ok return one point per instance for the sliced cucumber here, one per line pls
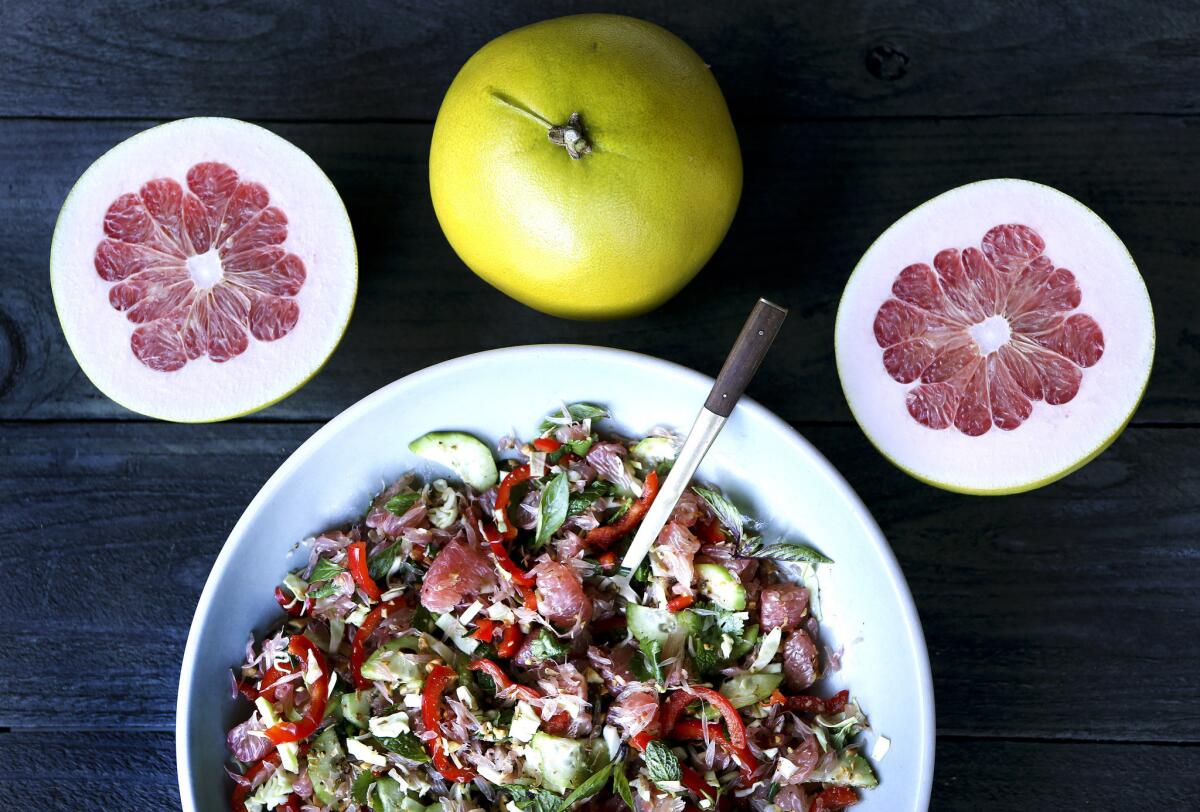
(654, 450)
(648, 624)
(743, 644)
(850, 770)
(356, 707)
(465, 455)
(324, 769)
(722, 586)
(561, 764)
(746, 689)
(392, 663)
(289, 752)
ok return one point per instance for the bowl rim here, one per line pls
(205, 604)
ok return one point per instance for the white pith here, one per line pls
(1055, 439)
(319, 233)
(990, 334)
(205, 269)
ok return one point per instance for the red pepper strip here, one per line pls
(833, 798)
(510, 641)
(272, 676)
(608, 560)
(520, 577)
(815, 704)
(294, 607)
(679, 700)
(710, 532)
(558, 723)
(642, 740)
(285, 732)
(358, 649)
(547, 444)
(431, 705)
(486, 630)
(696, 729)
(504, 496)
(695, 783)
(604, 536)
(241, 791)
(680, 603)
(356, 557)
(531, 601)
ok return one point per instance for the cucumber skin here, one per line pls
(462, 453)
(722, 586)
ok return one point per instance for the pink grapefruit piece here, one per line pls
(203, 269)
(995, 338)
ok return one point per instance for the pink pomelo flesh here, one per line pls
(985, 332)
(201, 270)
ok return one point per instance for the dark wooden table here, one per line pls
(1062, 624)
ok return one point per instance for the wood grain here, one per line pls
(816, 195)
(394, 60)
(103, 771)
(1054, 614)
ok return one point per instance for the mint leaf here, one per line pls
(548, 647)
(588, 788)
(406, 745)
(586, 498)
(326, 570)
(552, 508)
(661, 763)
(621, 785)
(401, 503)
(361, 786)
(532, 800)
(726, 511)
(754, 547)
(578, 411)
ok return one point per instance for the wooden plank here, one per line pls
(152, 58)
(98, 771)
(816, 196)
(1053, 614)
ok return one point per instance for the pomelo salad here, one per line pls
(464, 646)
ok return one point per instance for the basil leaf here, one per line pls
(580, 448)
(547, 647)
(588, 788)
(755, 547)
(326, 570)
(401, 503)
(380, 564)
(532, 800)
(423, 620)
(578, 411)
(621, 785)
(552, 508)
(661, 763)
(726, 511)
(361, 786)
(322, 591)
(406, 745)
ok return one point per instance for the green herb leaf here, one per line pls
(729, 622)
(726, 511)
(578, 411)
(588, 788)
(772, 791)
(406, 745)
(552, 508)
(754, 547)
(580, 448)
(401, 503)
(532, 800)
(380, 564)
(661, 763)
(586, 498)
(361, 786)
(621, 786)
(652, 652)
(326, 570)
(548, 647)
(423, 620)
(322, 591)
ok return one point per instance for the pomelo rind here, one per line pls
(1024, 487)
(337, 331)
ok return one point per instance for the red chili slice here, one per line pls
(603, 537)
(804, 703)
(680, 602)
(356, 557)
(697, 729)
(510, 641)
(547, 444)
(294, 606)
(520, 577)
(504, 496)
(695, 783)
(358, 649)
(486, 630)
(318, 689)
(431, 706)
(558, 723)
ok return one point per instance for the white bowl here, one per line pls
(768, 468)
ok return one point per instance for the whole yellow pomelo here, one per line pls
(586, 165)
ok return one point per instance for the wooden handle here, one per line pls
(747, 354)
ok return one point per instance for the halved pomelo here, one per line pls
(203, 269)
(995, 338)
